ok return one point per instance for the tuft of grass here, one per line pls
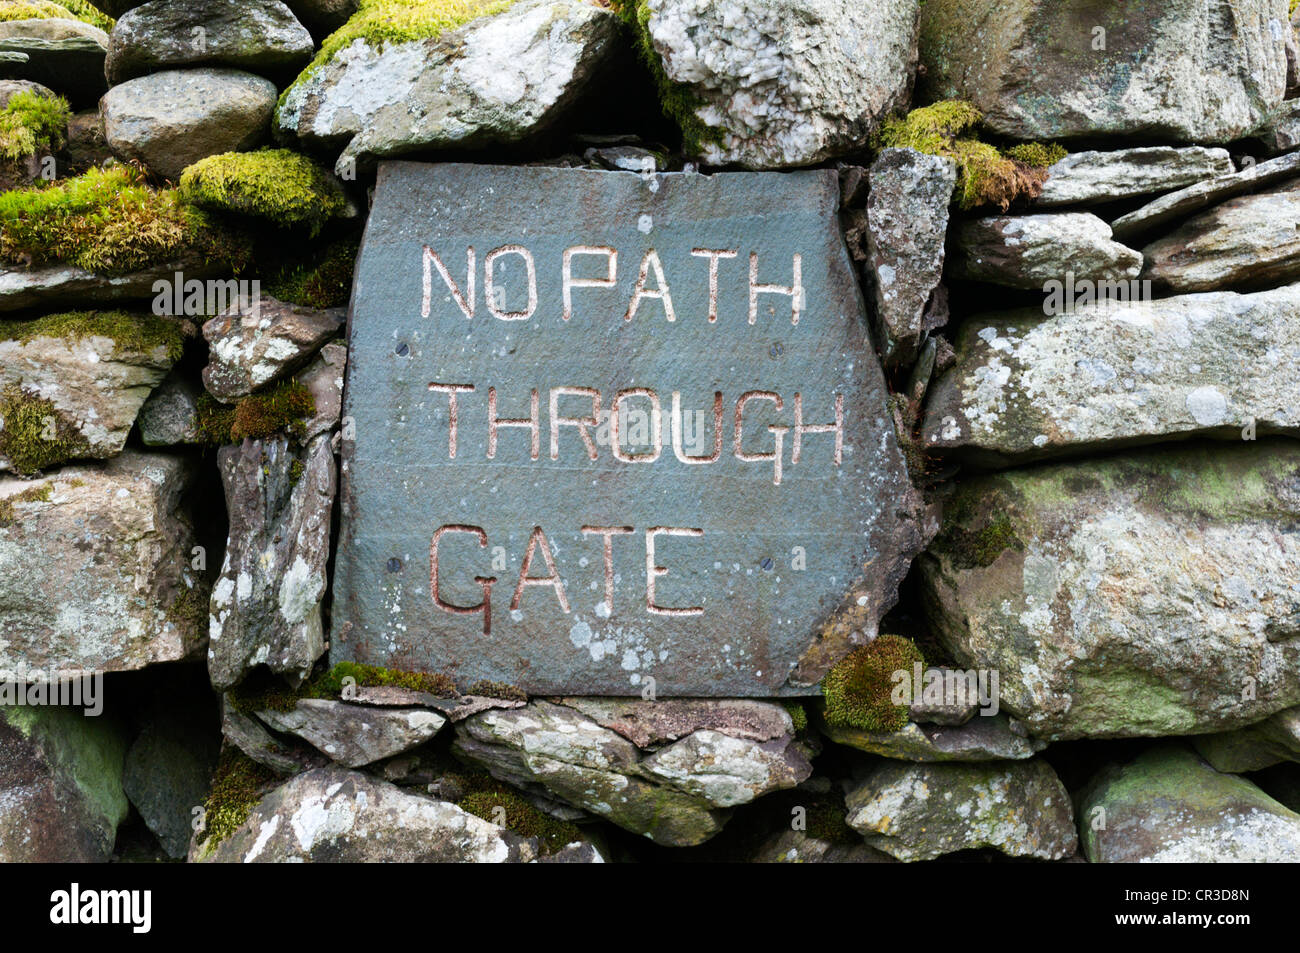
(277, 185)
(137, 333)
(284, 407)
(30, 123)
(63, 10)
(237, 785)
(324, 283)
(858, 689)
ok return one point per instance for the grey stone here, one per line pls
(948, 697)
(323, 378)
(322, 17)
(9, 88)
(170, 415)
(1181, 71)
(626, 159)
(254, 346)
(1167, 806)
(800, 847)
(1027, 251)
(168, 772)
(172, 119)
(923, 811)
(907, 221)
(727, 771)
(1094, 178)
(857, 519)
(46, 286)
(266, 605)
(1131, 595)
(1282, 133)
(772, 91)
(1110, 375)
(65, 55)
(114, 542)
(1272, 741)
(984, 738)
(648, 724)
(261, 36)
(355, 735)
(284, 756)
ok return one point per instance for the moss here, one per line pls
(797, 715)
(63, 10)
(859, 687)
(985, 175)
(826, 821)
(138, 333)
(678, 102)
(325, 282)
(978, 528)
(379, 22)
(189, 610)
(278, 185)
(490, 689)
(237, 785)
(31, 123)
(35, 494)
(282, 408)
(296, 470)
(262, 693)
(487, 798)
(35, 435)
(111, 222)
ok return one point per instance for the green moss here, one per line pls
(797, 715)
(36, 494)
(1037, 154)
(131, 333)
(488, 798)
(858, 688)
(826, 821)
(279, 185)
(296, 470)
(189, 610)
(111, 222)
(63, 10)
(325, 282)
(678, 102)
(30, 123)
(237, 786)
(978, 526)
(282, 408)
(490, 689)
(35, 435)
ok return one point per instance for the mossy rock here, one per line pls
(282, 408)
(859, 690)
(32, 123)
(277, 185)
(323, 280)
(63, 10)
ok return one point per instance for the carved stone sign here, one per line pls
(603, 428)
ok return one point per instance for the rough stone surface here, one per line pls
(1183, 70)
(923, 811)
(727, 771)
(65, 55)
(266, 605)
(285, 756)
(800, 847)
(983, 738)
(261, 36)
(1274, 740)
(252, 347)
(1168, 806)
(1093, 178)
(322, 17)
(1134, 595)
(773, 92)
(1027, 251)
(355, 735)
(170, 415)
(1203, 364)
(168, 772)
(171, 120)
(648, 724)
(323, 378)
(907, 221)
(49, 286)
(113, 540)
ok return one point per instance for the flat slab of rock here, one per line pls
(1274, 740)
(1027, 251)
(1204, 364)
(980, 739)
(65, 55)
(46, 286)
(800, 847)
(1168, 806)
(172, 119)
(285, 756)
(1130, 595)
(355, 735)
(923, 811)
(1094, 178)
(251, 347)
(648, 724)
(323, 378)
(113, 540)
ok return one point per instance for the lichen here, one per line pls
(278, 185)
(282, 408)
(491, 799)
(501, 690)
(35, 494)
(34, 434)
(130, 333)
(237, 785)
(325, 282)
(31, 123)
(63, 10)
(858, 689)
(111, 222)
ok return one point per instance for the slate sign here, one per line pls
(607, 427)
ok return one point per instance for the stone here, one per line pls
(626, 159)
(760, 86)
(923, 811)
(51, 286)
(1114, 374)
(1168, 806)
(702, 620)
(1129, 595)
(335, 816)
(800, 847)
(1272, 741)
(648, 724)
(256, 344)
(958, 698)
(285, 756)
(322, 17)
(65, 55)
(323, 378)
(1174, 206)
(1247, 242)
(87, 386)
(985, 738)
(61, 797)
(1282, 133)
(266, 604)
(1095, 178)
(172, 119)
(907, 222)
(355, 735)
(1180, 71)
(170, 415)
(114, 541)
(261, 36)
(1027, 251)
(168, 772)
(9, 88)
(727, 771)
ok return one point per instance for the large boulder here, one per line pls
(65, 55)
(114, 542)
(1182, 70)
(1146, 594)
(778, 83)
(171, 120)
